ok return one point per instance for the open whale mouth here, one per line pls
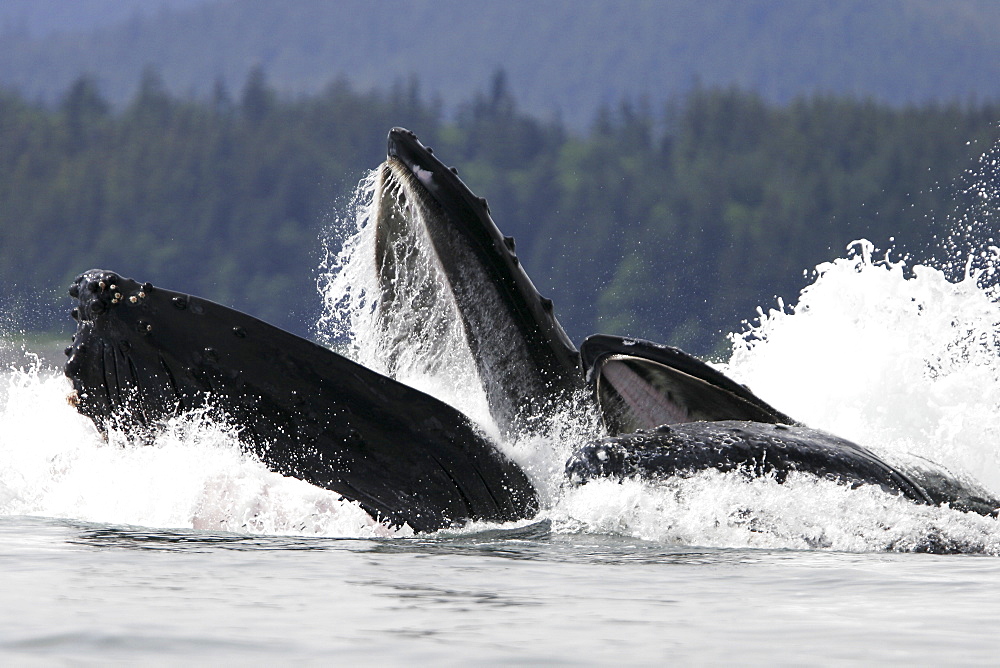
(525, 361)
(642, 385)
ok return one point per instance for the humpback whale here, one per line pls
(143, 354)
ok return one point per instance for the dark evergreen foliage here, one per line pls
(672, 226)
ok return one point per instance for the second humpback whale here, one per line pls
(142, 354)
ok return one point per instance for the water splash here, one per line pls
(903, 364)
(971, 248)
(416, 339)
(414, 333)
(54, 463)
(712, 509)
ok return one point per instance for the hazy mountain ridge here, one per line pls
(565, 57)
(34, 19)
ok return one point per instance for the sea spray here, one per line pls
(896, 358)
(899, 356)
(419, 340)
(195, 474)
(713, 509)
(970, 248)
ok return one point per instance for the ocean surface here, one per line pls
(83, 593)
(190, 551)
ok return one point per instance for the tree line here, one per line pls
(673, 224)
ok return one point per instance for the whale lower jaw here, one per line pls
(755, 448)
(526, 363)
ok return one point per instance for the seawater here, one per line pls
(189, 550)
(82, 593)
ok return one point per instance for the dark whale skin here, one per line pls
(142, 355)
(754, 448)
(527, 363)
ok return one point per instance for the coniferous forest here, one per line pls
(671, 223)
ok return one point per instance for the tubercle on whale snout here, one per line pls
(405, 146)
(98, 291)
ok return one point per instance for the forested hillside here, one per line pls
(672, 225)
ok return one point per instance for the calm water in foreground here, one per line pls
(95, 594)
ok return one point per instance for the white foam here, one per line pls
(902, 364)
(54, 463)
(727, 510)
